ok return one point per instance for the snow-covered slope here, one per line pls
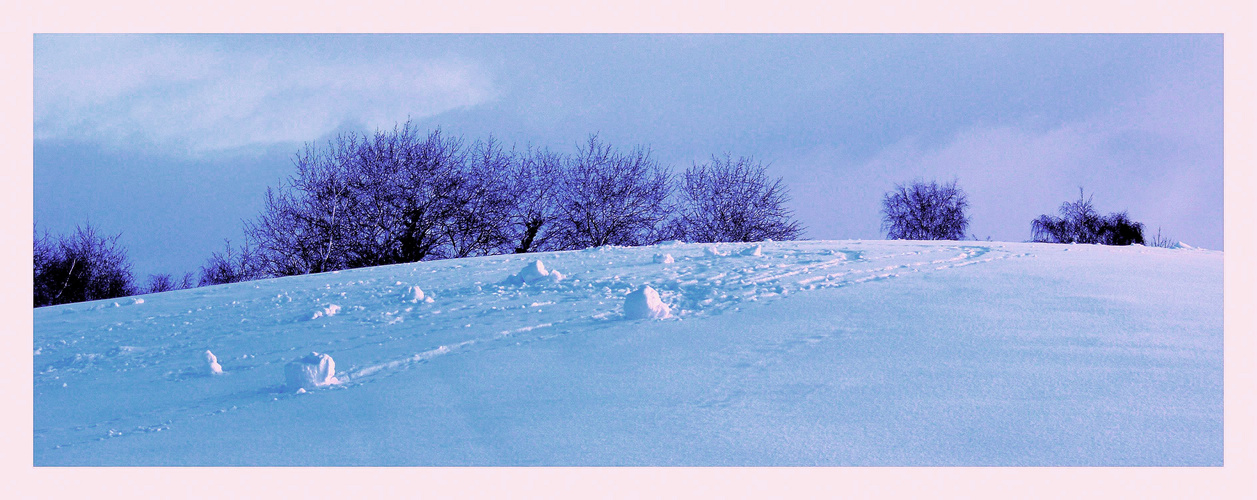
(785, 353)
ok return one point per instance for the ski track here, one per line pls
(461, 320)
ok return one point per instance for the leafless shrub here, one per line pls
(925, 211)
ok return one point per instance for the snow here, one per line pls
(872, 353)
(414, 294)
(310, 371)
(330, 310)
(212, 362)
(535, 272)
(644, 303)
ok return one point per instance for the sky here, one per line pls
(171, 140)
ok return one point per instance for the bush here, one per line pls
(79, 267)
(612, 198)
(728, 200)
(925, 211)
(1081, 223)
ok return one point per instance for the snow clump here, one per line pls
(413, 294)
(535, 273)
(212, 361)
(645, 304)
(330, 310)
(664, 259)
(309, 372)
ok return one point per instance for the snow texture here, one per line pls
(644, 303)
(815, 353)
(311, 371)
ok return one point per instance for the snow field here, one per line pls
(779, 353)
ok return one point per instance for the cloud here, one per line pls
(199, 94)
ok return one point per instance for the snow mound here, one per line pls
(645, 304)
(664, 259)
(534, 273)
(309, 372)
(755, 251)
(330, 310)
(413, 294)
(212, 361)
(1183, 246)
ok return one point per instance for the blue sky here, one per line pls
(172, 140)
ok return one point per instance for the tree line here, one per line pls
(931, 211)
(399, 196)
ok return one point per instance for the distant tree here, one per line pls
(610, 197)
(533, 182)
(1081, 223)
(79, 267)
(232, 265)
(925, 211)
(165, 283)
(733, 200)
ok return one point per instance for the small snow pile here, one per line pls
(413, 294)
(664, 259)
(309, 372)
(212, 360)
(755, 251)
(645, 304)
(330, 310)
(1183, 246)
(535, 273)
(714, 252)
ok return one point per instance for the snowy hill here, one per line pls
(785, 353)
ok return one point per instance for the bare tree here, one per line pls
(480, 203)
(925, 211)
(232, 265)
(304, 226)
(533, 183)
(367, 201)
(612, 198)
(79, 267)
(733, 200)
(1081, 223)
